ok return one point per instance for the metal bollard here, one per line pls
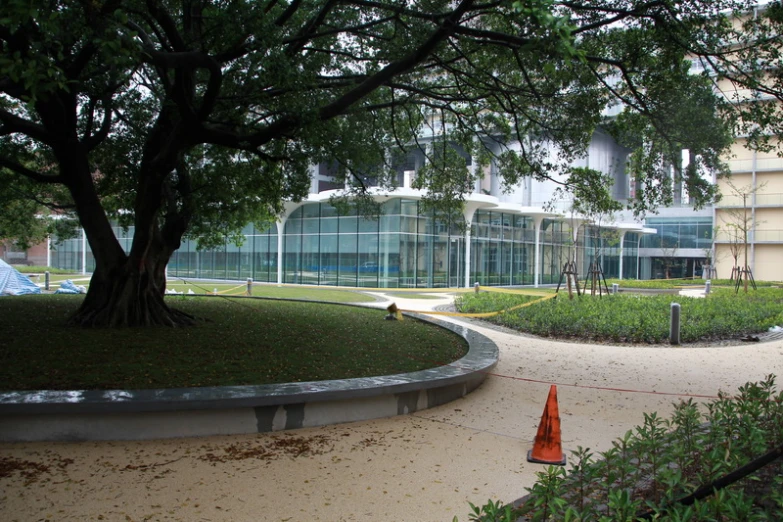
(615, 288)
(674, 324)
(46, 280)
(249, 286)
(707, 286)
(476, 287)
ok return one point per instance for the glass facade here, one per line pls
(673, 236)
(616, 251)
(70, 254)
(631, 255)
(680, 232)
(557, 247)
(255, 258)
(502, 249)
(67, 254)
(403, 247)
(603, 246)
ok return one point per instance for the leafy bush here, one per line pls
(650, 472)
(665, 284)
(41, 269)
(485, 302)
(635, 318)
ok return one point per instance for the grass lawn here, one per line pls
(30, 269)
(413, 295)
(241, 341)
(307, 293)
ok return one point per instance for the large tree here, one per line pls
(195, 115)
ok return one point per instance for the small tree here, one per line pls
(739, 225)
(736, 247)
(593, 199)
(668, 254)
(568, 259)
(710, 255)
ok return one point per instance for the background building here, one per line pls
(517, 237)
(752, 202)
(510, 239)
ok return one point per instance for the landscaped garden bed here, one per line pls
(632, 318)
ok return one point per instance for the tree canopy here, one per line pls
(199, 116)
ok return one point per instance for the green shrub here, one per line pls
(629, 318)
(485, 302)
(665, 284)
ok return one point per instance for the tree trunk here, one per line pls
(129, 296)
(127, 290)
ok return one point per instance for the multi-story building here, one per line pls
(510, 239)
(752, 206)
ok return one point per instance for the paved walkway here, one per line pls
(422, 467)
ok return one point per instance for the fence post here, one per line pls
(674, 324)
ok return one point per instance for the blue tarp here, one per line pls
(67, 287)
(14, 283)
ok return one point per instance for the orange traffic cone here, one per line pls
(547, 448)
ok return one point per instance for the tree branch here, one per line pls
(29, 173)
(93, 140)
(447, 28)
(13, 124)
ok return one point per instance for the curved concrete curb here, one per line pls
(192, 412)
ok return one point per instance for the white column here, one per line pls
(314, 178)
(408, 176)
(467, 257)
(280, 228)
(537, 262)
(84, 252)
(752, 234)
(477, 181)
(622, 239)
(468, 214)
(48, 251)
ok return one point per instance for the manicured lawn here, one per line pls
(57, 276)
(307, 293)
(241, 341)
(413, 295)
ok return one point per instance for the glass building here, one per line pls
(678, 249)
(403, 247)
(505, 236)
